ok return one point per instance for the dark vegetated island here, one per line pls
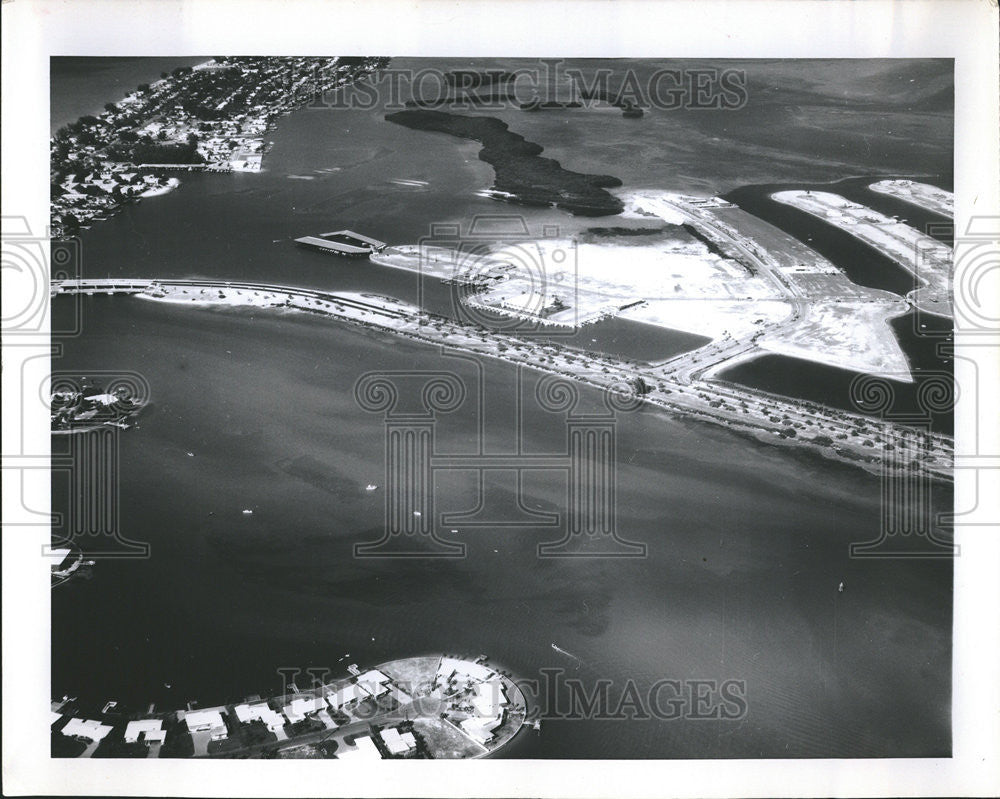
(520, 171)
(470, 83)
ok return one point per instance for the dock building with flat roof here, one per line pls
(342, 242)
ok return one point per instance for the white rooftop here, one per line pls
(303, 705)
(260, 711)
(203, 719)
(480, 729)
(86, 728)
(347, 693)
(365, 749)
(474, 671)
(397, 742)
(374, 676)
(149, 727)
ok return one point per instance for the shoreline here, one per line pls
(521, 173)
(925, 258)
(171, 184)
(222, 109)
(837, 435)
(432, 706)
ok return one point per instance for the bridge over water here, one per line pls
(687, 391)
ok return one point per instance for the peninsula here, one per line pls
(437, 707)
(928, 260)
(211, 117)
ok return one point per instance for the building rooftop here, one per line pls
(203, 719)
(374, 682)
(260, 711)
(151, 729)
(343, 241)
(398, 743)
(365, 749)
(86, 728)
(490, 697)
(346, 694)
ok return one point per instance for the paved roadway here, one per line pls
(683, 388)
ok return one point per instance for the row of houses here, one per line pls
(373, 684)
(148, 731)
(396, 743)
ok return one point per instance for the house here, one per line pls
(398, 743)
(365, 749)
(298, 709)
(374, 682)
(490, 698)
(207, 721)
(346, 695)
(151, 731)
(480, 729)
(454, 670)
(260, 711)
(92, 730)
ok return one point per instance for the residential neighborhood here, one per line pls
(210, 117)
(427, 707)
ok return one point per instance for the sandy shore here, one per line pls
(172, 184)
(845, 437)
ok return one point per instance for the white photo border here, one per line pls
(965, 30)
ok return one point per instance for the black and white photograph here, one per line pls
(568, 410)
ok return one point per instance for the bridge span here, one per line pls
(680, 387)
(102, 286)
(384, 306)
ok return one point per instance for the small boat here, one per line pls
(371, 487)
(840, 588)
(247, 512)
(564, 652)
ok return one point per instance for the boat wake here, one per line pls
(570, 655)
